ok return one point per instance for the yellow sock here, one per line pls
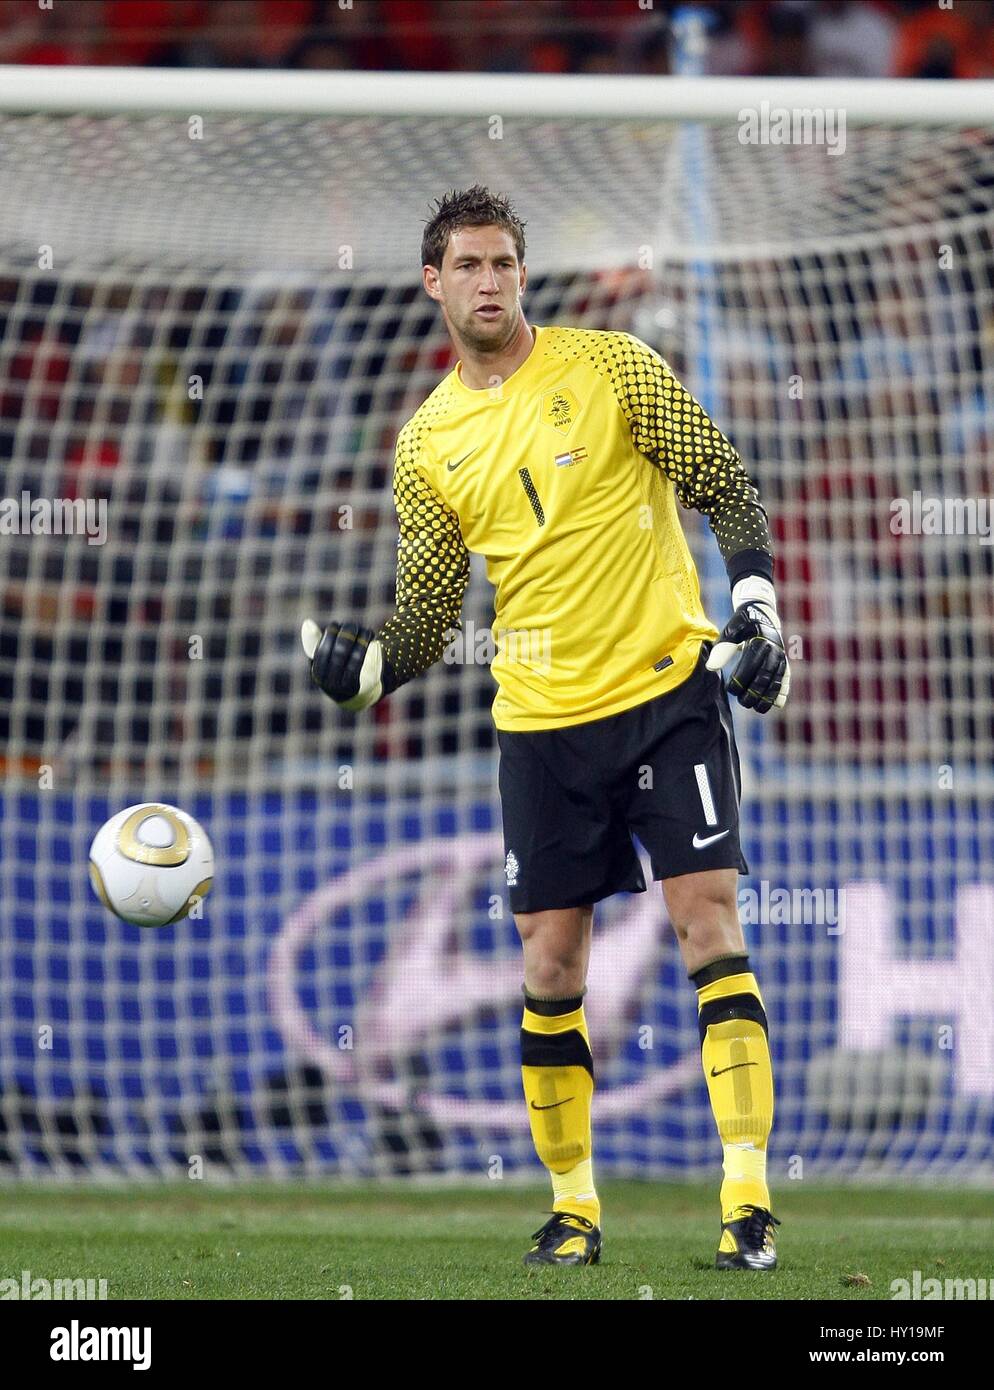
(735, 1053)
(744, 1166)
(574, 1191)
(557, 1073)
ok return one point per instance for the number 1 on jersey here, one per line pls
(532, 495)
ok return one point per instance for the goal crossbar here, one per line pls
(918, 102)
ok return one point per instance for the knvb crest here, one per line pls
(560, 409)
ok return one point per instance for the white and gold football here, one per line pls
(151, 864)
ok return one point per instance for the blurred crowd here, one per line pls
(226, 505)
(827, 38)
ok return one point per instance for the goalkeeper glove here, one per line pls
(346, 662)
(761, 678)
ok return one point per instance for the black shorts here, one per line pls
(666, 770)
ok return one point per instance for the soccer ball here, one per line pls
(150, 864)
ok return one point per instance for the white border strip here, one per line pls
(704, 788)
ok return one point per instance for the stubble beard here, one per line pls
(484, 345)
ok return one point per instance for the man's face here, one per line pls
(479, 287)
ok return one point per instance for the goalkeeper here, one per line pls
(559, 454)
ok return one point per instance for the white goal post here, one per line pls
(105, 90)
(213, 327)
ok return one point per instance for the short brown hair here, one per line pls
(476, 207)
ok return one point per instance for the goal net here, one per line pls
(213, 329)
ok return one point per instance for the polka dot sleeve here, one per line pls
(673, 430)
(432, 572)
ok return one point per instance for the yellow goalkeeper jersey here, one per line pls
(566, 478)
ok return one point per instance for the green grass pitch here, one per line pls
(207, 1241)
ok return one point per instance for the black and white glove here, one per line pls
(761, 679)
(346, 662)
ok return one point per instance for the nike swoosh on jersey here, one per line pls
(554, 1106)
(453, 466)
(703, 844)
